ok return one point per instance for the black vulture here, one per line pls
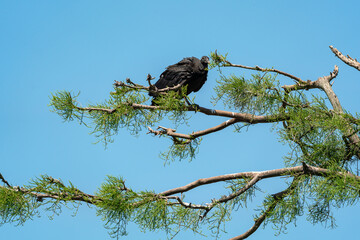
(190, 71)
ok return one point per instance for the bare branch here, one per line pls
(312, 84)
(152, 89)
(149, 78)
(261, 175)
(257, 68)
(348, 60)
(215, 128)
(184, 204)
(172, 133)
(241, 117)
(299, 86)
(324, 84)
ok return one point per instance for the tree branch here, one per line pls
(348, 60)
(251, 183)
(324, 84)
(254, 177)
(312, 84)
(4, 181)
(261, 175)
(79, 196)
(277, 198)
(151, 89)
(257, 68)
(241, 117)
(172, 133)
(184, 204)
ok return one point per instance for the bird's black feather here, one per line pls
(190, 72)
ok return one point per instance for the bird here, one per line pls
(191, 72)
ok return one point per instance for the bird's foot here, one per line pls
(192, 105)
(195, 107)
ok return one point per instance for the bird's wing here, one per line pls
(175, 74)
(187, 62)
(196, 85)
(172, 77)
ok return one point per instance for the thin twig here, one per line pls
(257, 68)
(4, 181)
(172, 133)
(151, 89)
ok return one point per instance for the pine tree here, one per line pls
(319, 171)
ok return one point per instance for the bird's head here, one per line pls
(205, 60)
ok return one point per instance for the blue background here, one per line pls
(46, 46)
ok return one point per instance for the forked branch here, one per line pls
(303, 169)
(319, 83)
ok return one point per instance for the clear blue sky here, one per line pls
(46, 46)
